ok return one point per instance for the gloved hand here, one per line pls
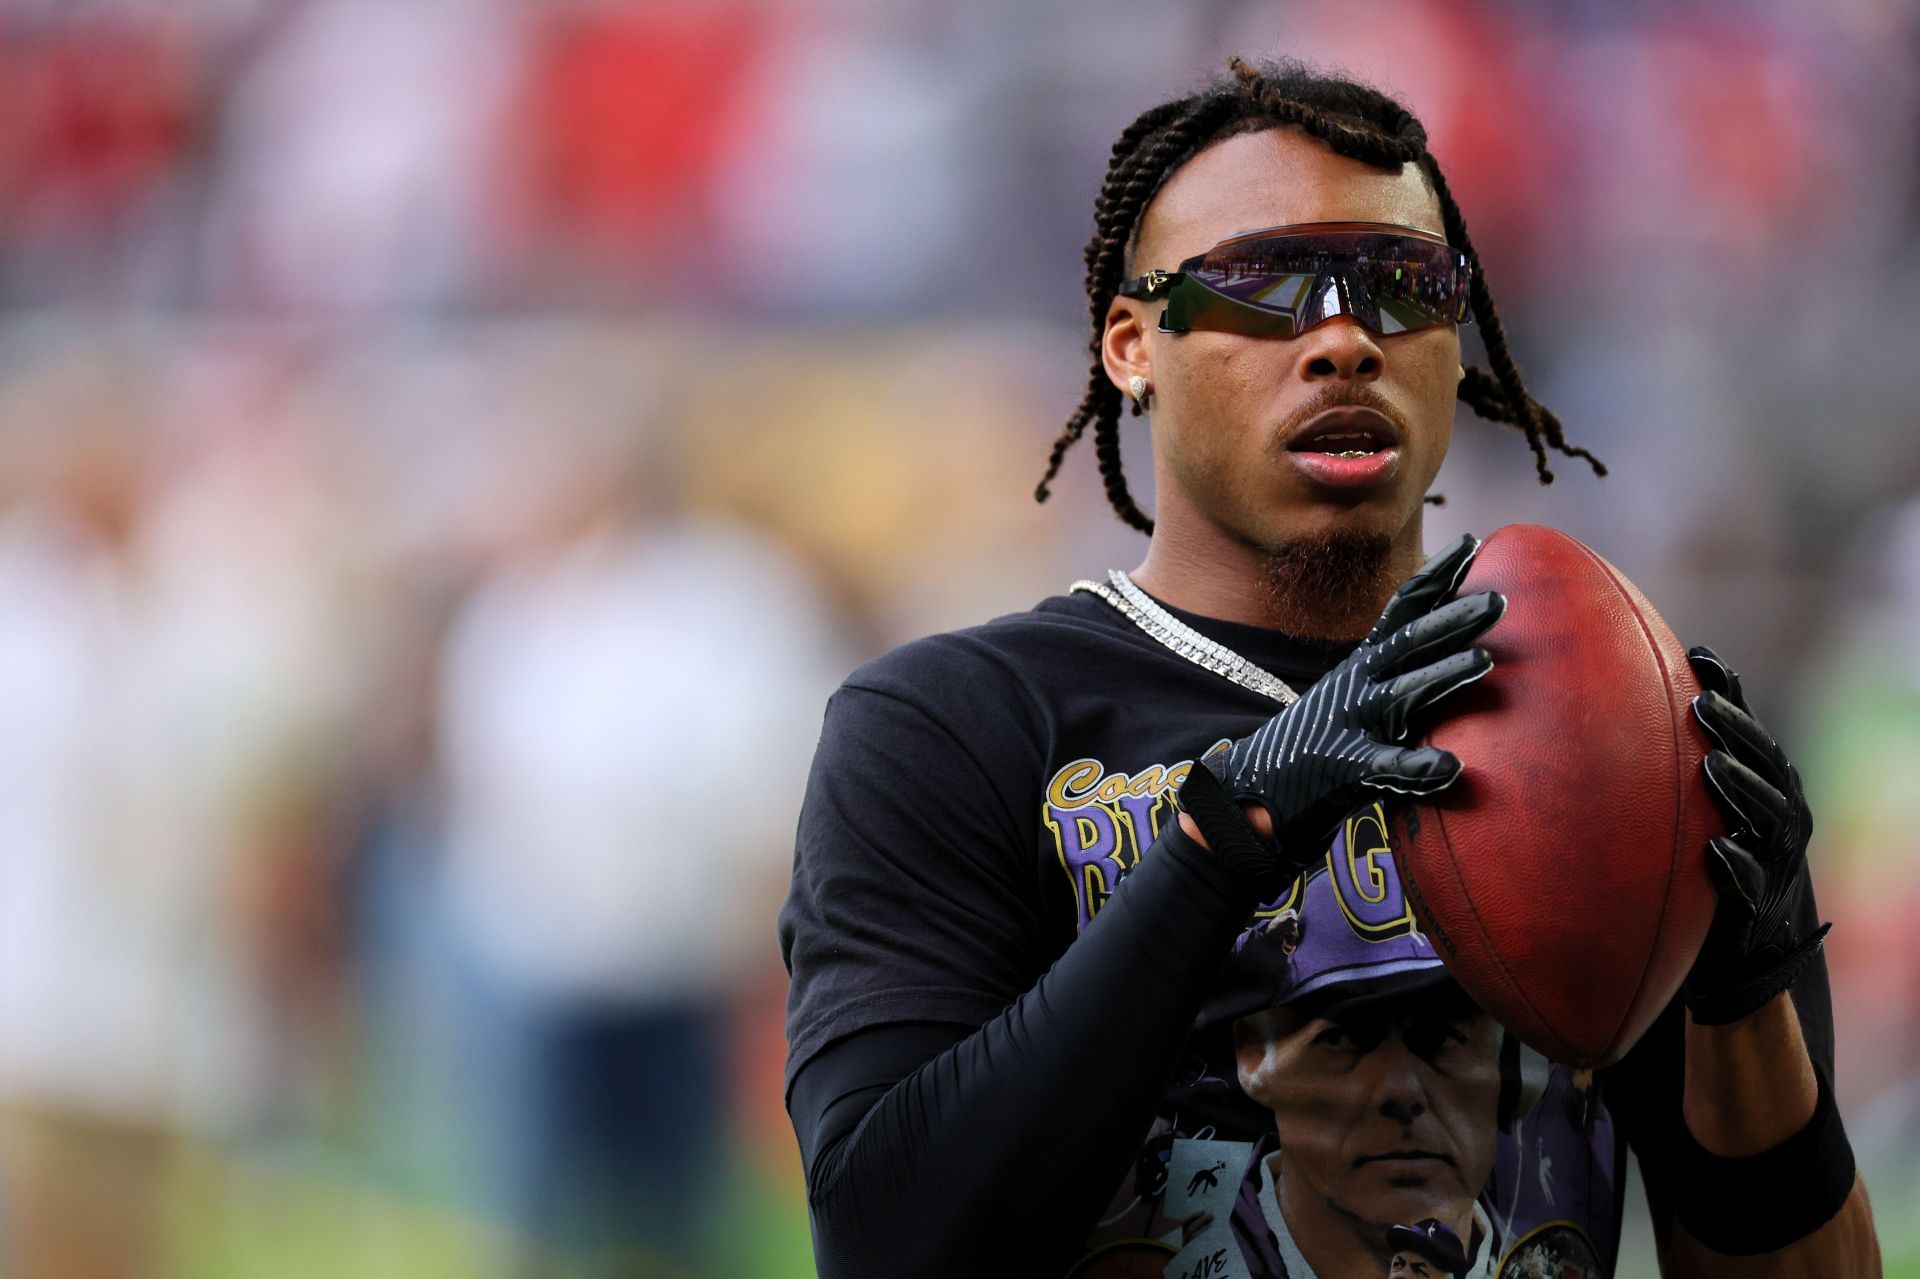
(1755, 948)
(1314, 762)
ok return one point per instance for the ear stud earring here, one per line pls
(1137, 388)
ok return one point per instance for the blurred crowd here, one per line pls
(449, 450)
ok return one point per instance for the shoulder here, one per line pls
(979, 709)
(1014, 665)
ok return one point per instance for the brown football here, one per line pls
(1563, 878)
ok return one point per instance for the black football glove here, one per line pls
(1755, 948)
(1314, 762)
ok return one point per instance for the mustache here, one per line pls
(1342, 395)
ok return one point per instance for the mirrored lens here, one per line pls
(1281, 285)
(1194, 306)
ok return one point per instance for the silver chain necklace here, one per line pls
(1169, 631)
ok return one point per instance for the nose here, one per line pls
(1396, 1081)
(1401, 1111)
(1339, 349)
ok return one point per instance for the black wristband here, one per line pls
(1744, 1207)
(1230, 836)
(1718, 1008)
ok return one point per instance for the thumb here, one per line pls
(1712, 671)
(1410, 770)
(1432, 585)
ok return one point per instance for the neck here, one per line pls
(1220, 576)
(1338, 1243)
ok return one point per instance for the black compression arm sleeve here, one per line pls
(1645, 1091)
(998, 1154)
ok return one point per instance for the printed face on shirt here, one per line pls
(1408, 1265)
(1385, 1114)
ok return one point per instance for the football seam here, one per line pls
(1480, 927)
(1485, 936)
(1673, 755)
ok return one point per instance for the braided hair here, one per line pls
(1353, 120)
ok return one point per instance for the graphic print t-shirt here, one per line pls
(978, 796)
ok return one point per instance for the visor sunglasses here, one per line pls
(1281, 281)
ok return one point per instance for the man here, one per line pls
(1382, 1114)
(1388, 1090)
(1386, 1083)
(1029, 849)
(592, 963)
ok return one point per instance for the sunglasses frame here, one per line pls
(1255, 320)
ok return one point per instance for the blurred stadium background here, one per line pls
(450, 448)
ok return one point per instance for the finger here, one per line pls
(1418, 770)
(1736, 874)
(1431, 585)
(1441, 633)
(1746, 801)
(1208, 795)
(1712, 671)
(1737, 732)
(1413, 692)
(1806, 814)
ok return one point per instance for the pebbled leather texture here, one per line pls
(1564, 877)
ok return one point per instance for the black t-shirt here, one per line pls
(977, 796)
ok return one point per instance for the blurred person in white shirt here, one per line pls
(628, 704)
(169, 662)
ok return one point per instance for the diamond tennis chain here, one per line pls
(1169, 631)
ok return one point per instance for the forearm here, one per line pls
(1750, 1086)
(1024, 1129)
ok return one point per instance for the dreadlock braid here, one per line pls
(1516, 406)
(1106, 451)
(1382, 148)
(1353, 120)
(1134, 176)
(1097, 386)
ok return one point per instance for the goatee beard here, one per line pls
(1329, 587)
